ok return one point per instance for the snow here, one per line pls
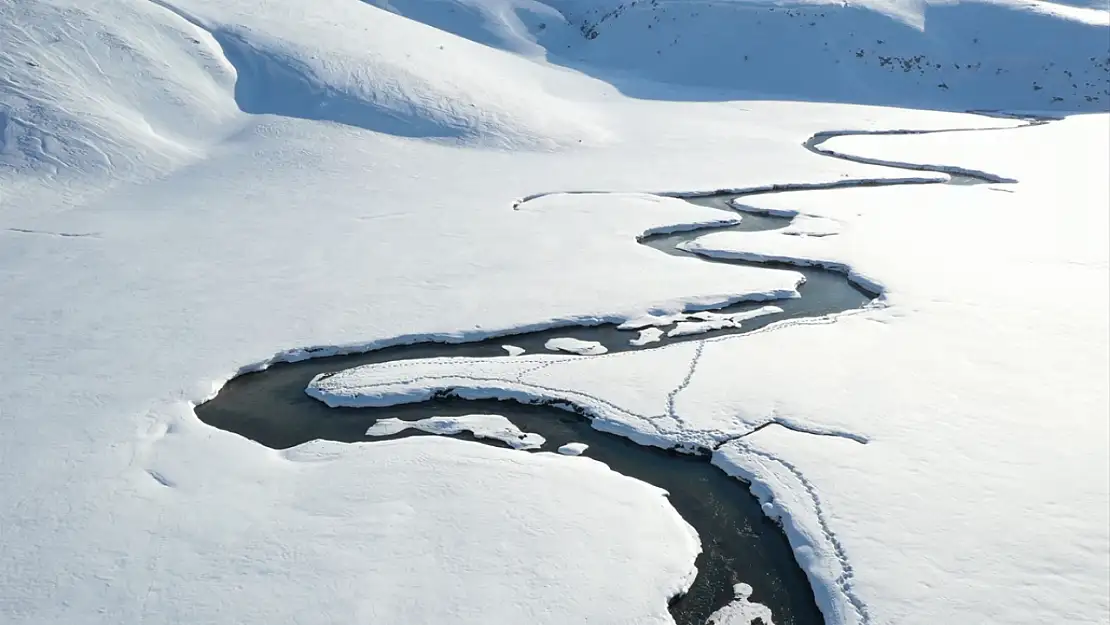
(573, 449)
(646, 337)
(652, 320)
(451, 511)
(513, 350)
(741, 611)
(496, 427)
(190, 189)
(575, 346)
(810, 226)
(698, 322)
(745, 246)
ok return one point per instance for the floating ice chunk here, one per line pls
(513, 350)
(688, 328)
(709, 321)
(741, 611)
(651, 321)
(573, 449)
(647, 335)
(480, 425)
(752, 314)
(575, 346)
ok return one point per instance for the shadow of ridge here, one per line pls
(970, 56)
(268, 84)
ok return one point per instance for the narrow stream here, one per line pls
(740, 544)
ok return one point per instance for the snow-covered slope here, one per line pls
(921, 54)
(313, 61)
(111, 89)
(188, 187)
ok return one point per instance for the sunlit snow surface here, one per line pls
(189, 187)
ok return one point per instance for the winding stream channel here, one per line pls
(739, 543)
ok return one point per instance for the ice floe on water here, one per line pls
(688, 323)
(573, 449)
(575, 346)
(652, 320)
(513, 350)
(647, 336)
(702, 322)
(742, 611)
(480, 425)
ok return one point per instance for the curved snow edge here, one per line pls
(692, 226)
(603, 415)
(777, 187)
(782, 494)
(865, 283)
(785, 494)
(691, 304)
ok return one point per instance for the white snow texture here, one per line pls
(191, 190)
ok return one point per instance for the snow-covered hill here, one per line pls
(188, 187)
(91, 86)
(919, 54)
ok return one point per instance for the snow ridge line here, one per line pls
(194, 21)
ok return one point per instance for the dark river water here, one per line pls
(739, 543)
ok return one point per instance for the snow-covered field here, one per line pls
(189, 187)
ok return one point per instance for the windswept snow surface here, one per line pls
(480, 425)
(189, 187)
